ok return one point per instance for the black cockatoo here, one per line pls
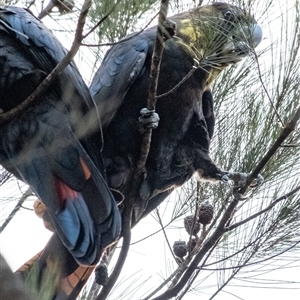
(207, 40)
(49, 144)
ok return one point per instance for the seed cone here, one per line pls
(206, 213)
(180, 248)
(191, 225)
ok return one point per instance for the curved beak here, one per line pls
(256, 35)
(247, 38)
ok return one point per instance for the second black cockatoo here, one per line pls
(49, 146)
(207, 40)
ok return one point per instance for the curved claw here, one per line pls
(257, 181)
(238, 196)
(148, 119)
(224, 178)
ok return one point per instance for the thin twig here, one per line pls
(265, 89)
(151, 234)
(225, 283)
(255, 262)
(160, 286)
(127, 216)
(193, 226)
(290, 127)
(182, 81)
(165, 234)
(233, 226)
(46, 11)
(153, 81)
(27, 193)
(4, 176)
(237, 252)
(189, 258)
(186, 262)
(290, 145)
(237, 269)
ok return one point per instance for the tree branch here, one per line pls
(126, 234)
(64, 7)
(47, 10)
(193, 277)
(45, 84)
(153, 82)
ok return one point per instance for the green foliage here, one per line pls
(123, 19)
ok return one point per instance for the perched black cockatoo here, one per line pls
(207, 40)
(49, 144)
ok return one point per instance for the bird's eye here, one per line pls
(228, 15)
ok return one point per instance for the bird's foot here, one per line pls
(240, 179)
(224, 177)
(169, 29)
(149, 119)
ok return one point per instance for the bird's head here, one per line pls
(219, 34)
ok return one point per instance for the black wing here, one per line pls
(44, 145)
(120, 67)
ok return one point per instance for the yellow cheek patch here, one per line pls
(189, 32)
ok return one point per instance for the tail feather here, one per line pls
(85, 220)
(71, 286)
(75, 227)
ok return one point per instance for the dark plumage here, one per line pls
(49, 144)
(207, 40)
